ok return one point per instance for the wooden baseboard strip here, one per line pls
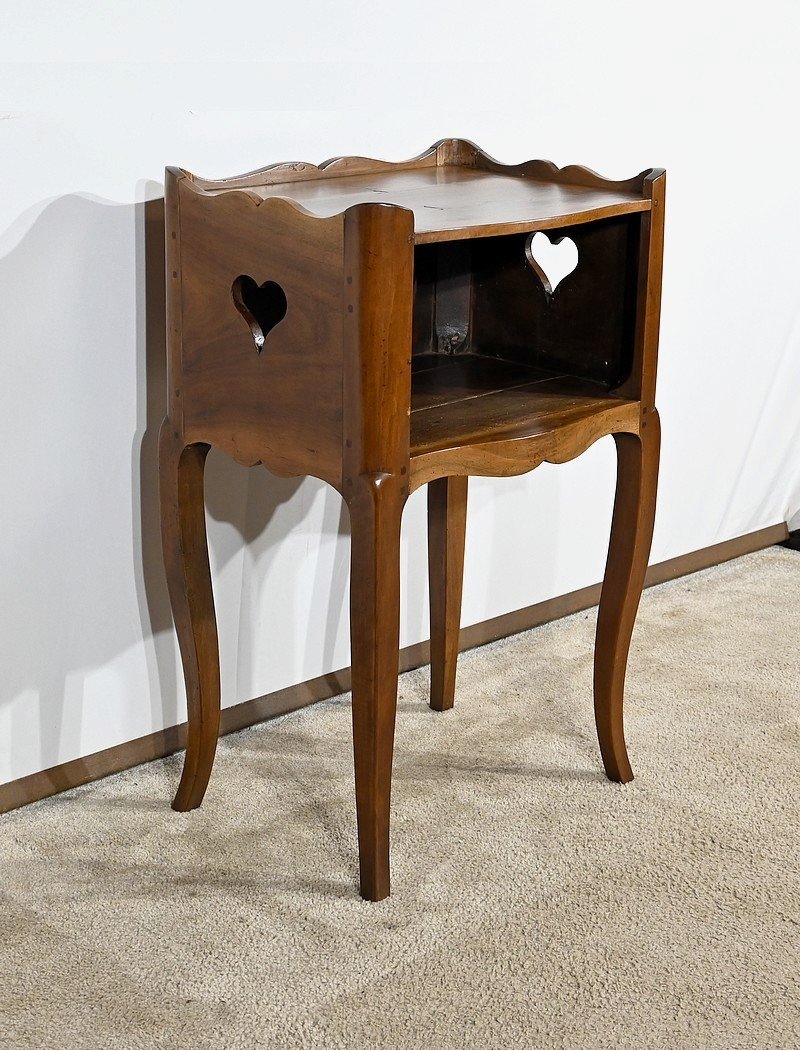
(166, 741)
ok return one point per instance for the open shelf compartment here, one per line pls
(498, 352)
(473, 399)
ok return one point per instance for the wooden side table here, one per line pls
(385, 326)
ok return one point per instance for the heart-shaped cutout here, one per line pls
(263, 306)
(552, 260)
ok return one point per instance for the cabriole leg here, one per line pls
(183, 526)
(629, 548)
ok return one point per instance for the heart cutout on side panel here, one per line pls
(552, 260)
(263, 306)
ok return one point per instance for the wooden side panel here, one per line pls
(442, 297)
(586, 327)
(279, 403)
(173, 177)
(641, 383)
(424, 298)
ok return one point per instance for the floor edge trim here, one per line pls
(67, 775)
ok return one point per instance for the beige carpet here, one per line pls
(535, 904)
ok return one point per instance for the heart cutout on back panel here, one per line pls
(262, 306)
(552, 260)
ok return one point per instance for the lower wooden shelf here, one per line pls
(475, 399)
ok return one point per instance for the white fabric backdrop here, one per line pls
(96, 99)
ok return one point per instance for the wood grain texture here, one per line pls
(454, 189)
(510, 431)
(447, 526)
(378, 294)
(460, 204)
(629, 547)
(460, 153)
(641, 381)
(378, 291)
(253, 403)
(183, 525)
(587, 327)
(376, 507)
(380, 326)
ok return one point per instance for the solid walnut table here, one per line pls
(385, 326)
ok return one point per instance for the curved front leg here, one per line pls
(376, 508)
(183, 527)
(629, 548)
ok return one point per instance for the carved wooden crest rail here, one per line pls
(383, 326)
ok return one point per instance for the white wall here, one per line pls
(96, 98)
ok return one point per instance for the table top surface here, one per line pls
(454, 203)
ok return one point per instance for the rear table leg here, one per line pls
(447, 524)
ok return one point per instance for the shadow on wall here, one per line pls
(83, 396)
